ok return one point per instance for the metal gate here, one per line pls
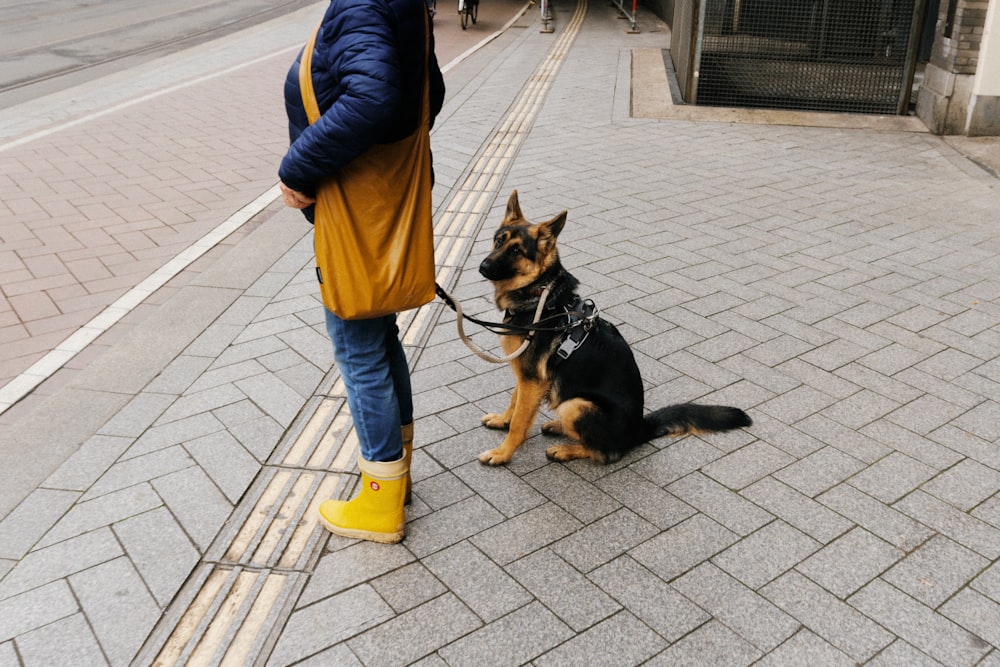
(819, 55)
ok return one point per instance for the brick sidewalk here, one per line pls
(840, 285)
(90, 211)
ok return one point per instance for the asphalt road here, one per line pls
(49, 46)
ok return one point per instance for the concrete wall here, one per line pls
(960, 93)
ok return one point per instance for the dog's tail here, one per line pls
(691, 419)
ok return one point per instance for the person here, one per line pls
(368, 70)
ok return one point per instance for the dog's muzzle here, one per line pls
(490, 270)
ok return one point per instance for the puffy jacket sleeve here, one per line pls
(356, 43)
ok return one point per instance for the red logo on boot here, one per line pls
(374, 486)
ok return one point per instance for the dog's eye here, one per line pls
(515, 250)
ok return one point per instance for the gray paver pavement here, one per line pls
(840, 284)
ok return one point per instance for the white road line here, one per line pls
(45, 367)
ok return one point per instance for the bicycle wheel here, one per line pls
(466, 13)
(475, 9)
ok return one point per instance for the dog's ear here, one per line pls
(554, 226)
(513, 208)
(548, 231)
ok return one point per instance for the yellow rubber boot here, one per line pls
(376, 513)
(408, 456)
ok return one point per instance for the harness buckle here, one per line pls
(567, 347)
(582, 315)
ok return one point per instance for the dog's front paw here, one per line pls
(495, 421)
(494, 457)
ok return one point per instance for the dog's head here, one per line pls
(522, 251)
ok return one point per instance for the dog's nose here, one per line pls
(484, 267)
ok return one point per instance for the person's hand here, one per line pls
(295, 199)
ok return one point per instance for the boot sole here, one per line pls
(372, 536)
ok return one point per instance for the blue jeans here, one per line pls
(372, 362)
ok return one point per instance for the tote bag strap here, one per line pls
(305, 78)
(309, 94)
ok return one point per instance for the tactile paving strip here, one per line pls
(240, 595)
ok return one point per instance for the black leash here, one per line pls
(504, 328)
(580, 318)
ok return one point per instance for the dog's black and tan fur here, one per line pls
(597, 392)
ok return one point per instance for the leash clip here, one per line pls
(589, 314)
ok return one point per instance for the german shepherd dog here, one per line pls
(596, 391)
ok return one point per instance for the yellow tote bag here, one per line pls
(373, 236)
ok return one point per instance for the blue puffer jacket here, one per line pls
(367, 71)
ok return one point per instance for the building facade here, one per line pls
(953, 44)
